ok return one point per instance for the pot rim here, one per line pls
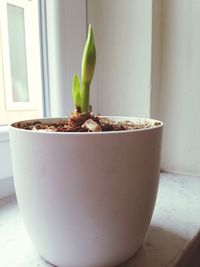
(116, 118)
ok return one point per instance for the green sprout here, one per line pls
(81, 91)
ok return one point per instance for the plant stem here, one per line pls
(85, 94)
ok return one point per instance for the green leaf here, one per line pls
(76, 88)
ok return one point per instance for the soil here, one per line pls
(84, 122)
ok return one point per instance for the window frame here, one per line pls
(10, 104)
(6, 176)
(50, 84)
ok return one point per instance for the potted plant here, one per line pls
(86, 185)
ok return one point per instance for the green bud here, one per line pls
(89, 58)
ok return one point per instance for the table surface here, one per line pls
(174, 226)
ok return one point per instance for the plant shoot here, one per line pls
(81, 90)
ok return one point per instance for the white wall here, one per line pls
(122, 31)
(148, 63)
(6, 181)
(156, 54)
(180, 86)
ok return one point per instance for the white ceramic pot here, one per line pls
(86, 198)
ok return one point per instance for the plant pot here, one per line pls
(86, 198)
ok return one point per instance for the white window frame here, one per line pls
(55, 88)
(26, 6)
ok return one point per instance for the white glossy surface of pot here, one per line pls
(86, 198)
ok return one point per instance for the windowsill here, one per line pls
(172, 239)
